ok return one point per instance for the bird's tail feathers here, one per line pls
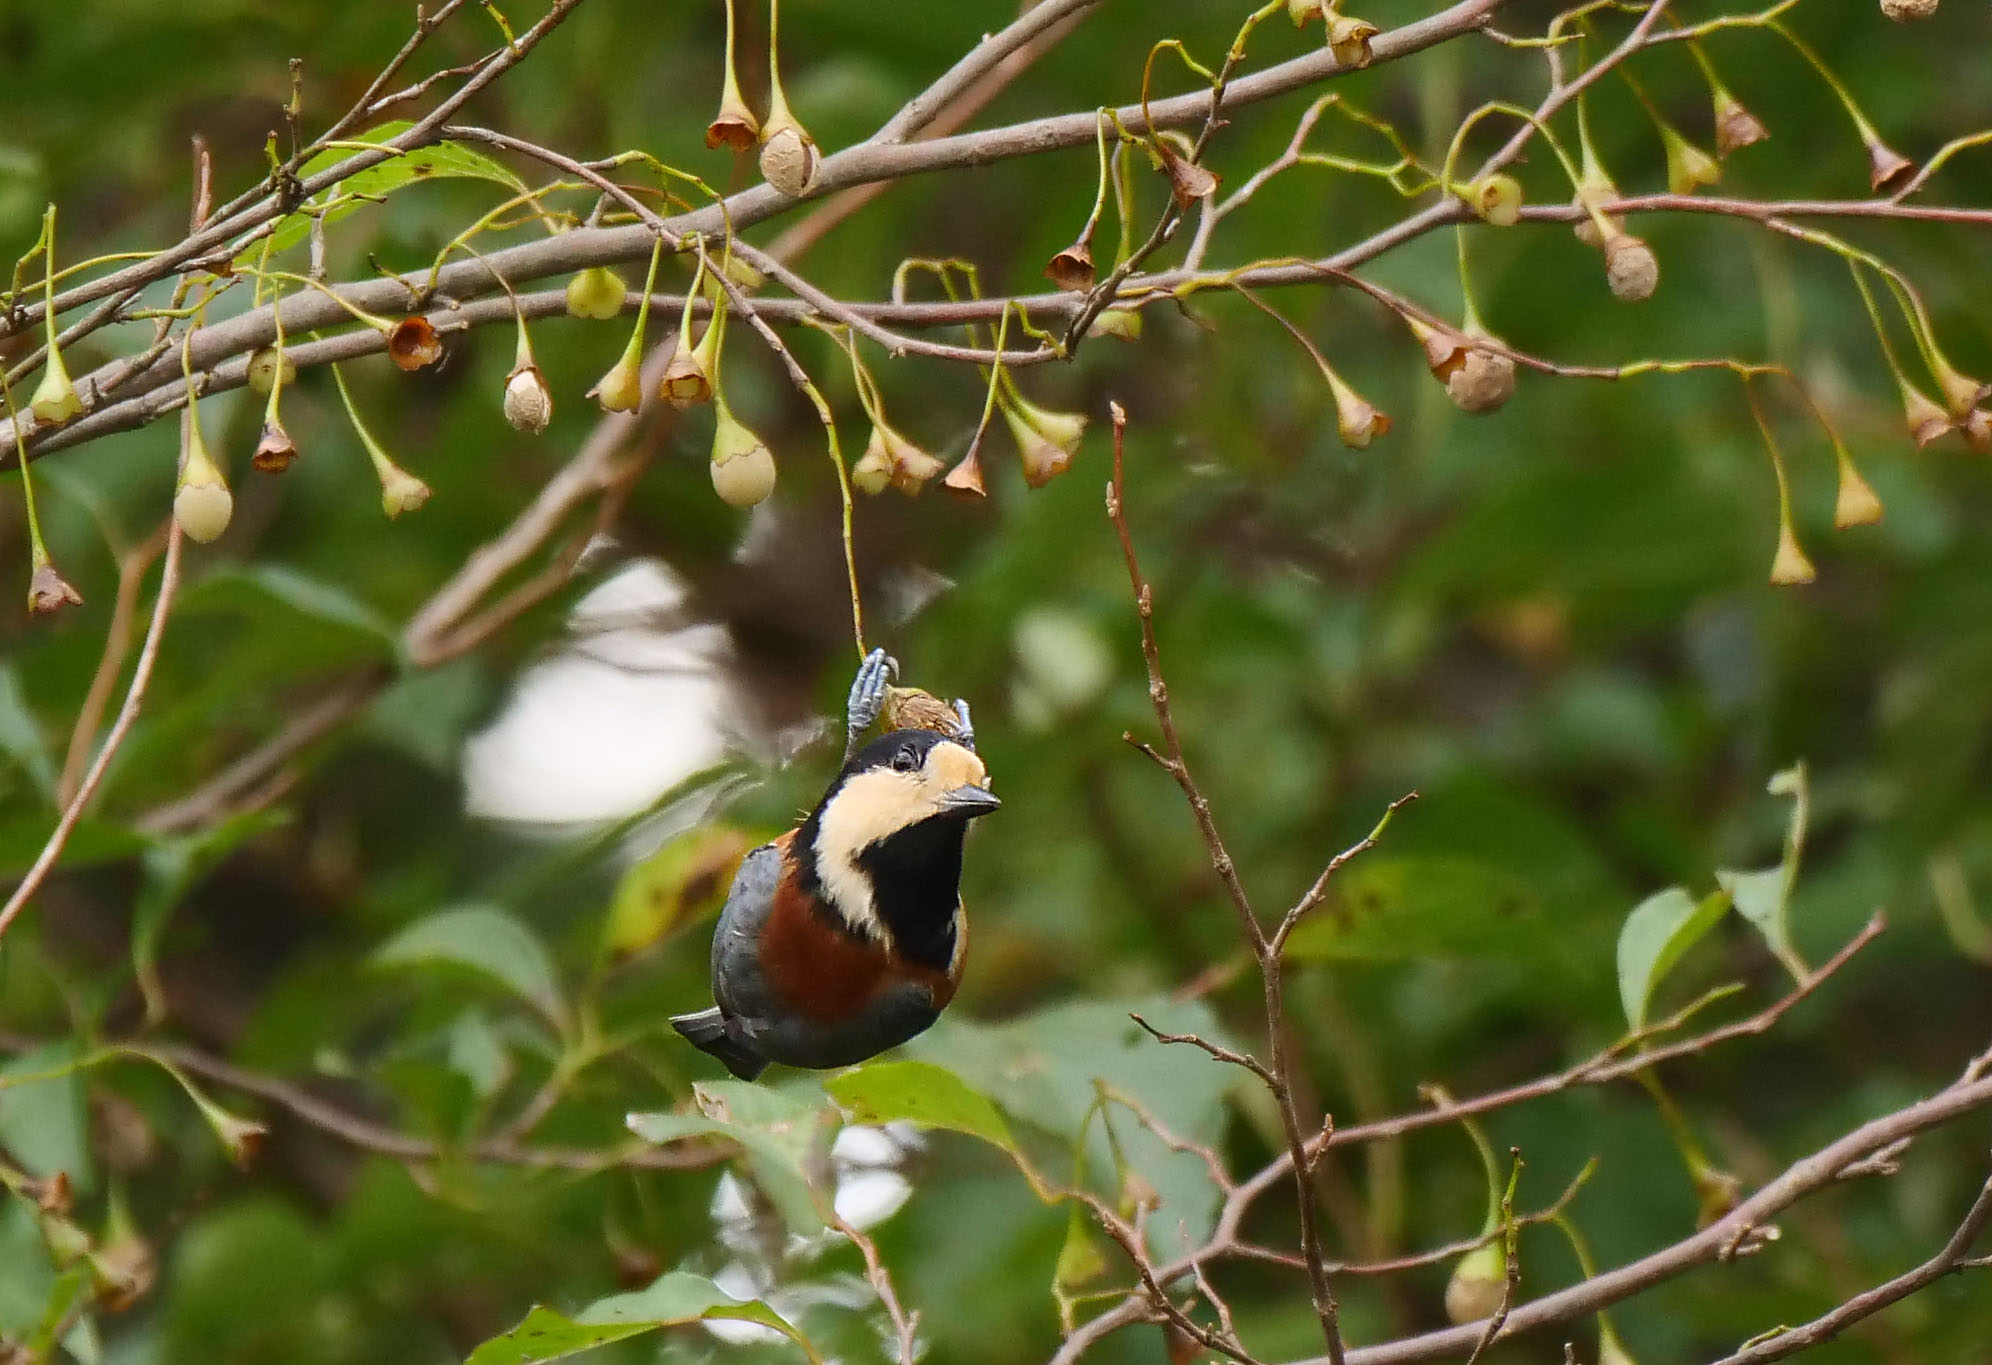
(707, 1031)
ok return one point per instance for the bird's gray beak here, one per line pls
(970, 801)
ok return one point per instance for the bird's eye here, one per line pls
(905, 761)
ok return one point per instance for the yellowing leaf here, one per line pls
(682, 883)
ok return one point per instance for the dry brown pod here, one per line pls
(910, 708)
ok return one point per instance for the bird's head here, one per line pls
(885, 842)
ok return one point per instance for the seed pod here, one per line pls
(528, 404)
(1888, 169)
(1925, 420)
(1961, 392)
(203, 506)
(1855, 503)
(1304, 11)
(1593, 192)
(270, 368)
(55, 399)
(621, 389)
(1735, 126)
(1497, 199)
(1349, 39)
(873, 472)
(1688, 166)
(965, 479)
(912, 468)
(1631, 268)
(1908, 11)
(1123, 324)
(596, 292)
(400, 491)
(743, 468)
(49, 591)
(1478, 1283)
(1978, 431)
(909, 708)
(735, 126)
(1188, 181)
(1790, 567)
(685, 382)
(1482, 382)
(1047, 440)
(274, 449)
(412, 343)
(1357, 420)
(201, 501)
(1072, 268)
(789, 159)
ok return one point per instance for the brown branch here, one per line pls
(1948, 1261)
(862, 164)
(1279, 1074)
(1801, 1178)
(366, 1135)
(905, 1325)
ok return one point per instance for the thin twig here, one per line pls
(148, 654)
(133, 564)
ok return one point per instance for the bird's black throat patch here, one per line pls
(916, 887)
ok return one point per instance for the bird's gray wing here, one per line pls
(737, 983)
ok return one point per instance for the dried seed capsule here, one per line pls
(1631, 268)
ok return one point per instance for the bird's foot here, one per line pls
(964, 727)
(867, 699)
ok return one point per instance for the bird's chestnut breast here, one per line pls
(826, 972)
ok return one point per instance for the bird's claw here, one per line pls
(867, 699)
(964, 728)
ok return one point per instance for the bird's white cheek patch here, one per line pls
(867, 809)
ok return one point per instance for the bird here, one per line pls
(846, 936)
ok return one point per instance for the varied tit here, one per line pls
(845, 936)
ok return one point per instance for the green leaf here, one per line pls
(41, 1114)
(1656, 933)
(1047, 1069)
(92, 841)
(1764, 897)
(441, 161)
(21, 737)
(330, 604)
(922, 1093)
(72, 1288)
(777, 1132)
(1081, 1259)
(1394, 909)
(488, 941)
(676, 1298)
(477, 1053)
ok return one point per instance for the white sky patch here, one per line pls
(616, 719)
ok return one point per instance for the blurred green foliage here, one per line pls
(1551, 622)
